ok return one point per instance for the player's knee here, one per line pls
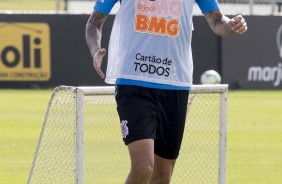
(142, 169)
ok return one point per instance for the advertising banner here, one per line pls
(47, 50)
(24, 51)
(254, 60)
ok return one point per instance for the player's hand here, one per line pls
(238, 24)
(97, 61)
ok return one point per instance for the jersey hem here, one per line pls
(122, 81)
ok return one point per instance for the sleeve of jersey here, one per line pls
(104, 6)
(207, 5)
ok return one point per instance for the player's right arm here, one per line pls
(93, 34)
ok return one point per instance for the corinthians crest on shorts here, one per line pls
(124, 128)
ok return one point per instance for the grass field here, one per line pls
(254, 135)
(49, 5)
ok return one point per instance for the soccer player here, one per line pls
(150, 62)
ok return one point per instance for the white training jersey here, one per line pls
(150, 43)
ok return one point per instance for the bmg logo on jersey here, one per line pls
(24, 51)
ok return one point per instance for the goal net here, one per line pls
(80, 140)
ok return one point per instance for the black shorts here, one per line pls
(158, 114)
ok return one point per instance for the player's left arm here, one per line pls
(224, 26)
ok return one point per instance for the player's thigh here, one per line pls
(142, 153)
(163, 167)
(137, 113)
(172, 123)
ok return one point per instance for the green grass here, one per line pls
(22, 5)
(21, 116)
(254, 135)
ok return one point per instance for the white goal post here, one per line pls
(80, 140)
